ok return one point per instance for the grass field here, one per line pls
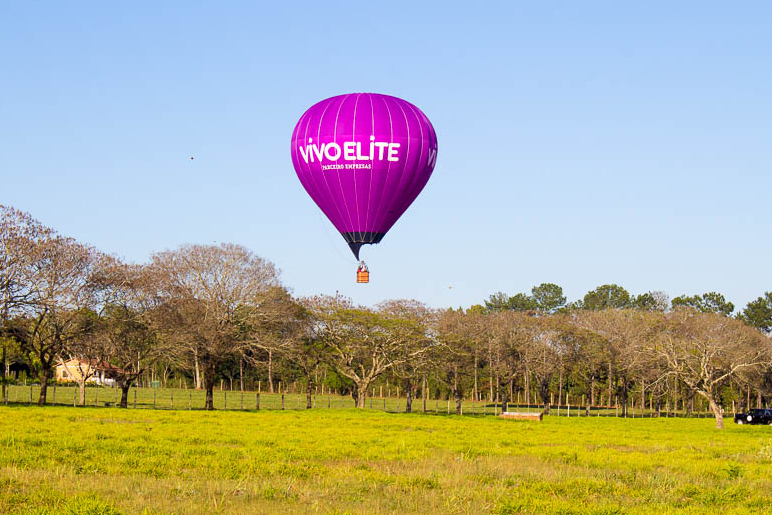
(81, 461)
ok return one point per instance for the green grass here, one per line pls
(110, 461)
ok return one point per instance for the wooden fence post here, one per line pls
(75, 398)
(171, 399)
(154, 399)
(282, 401)
(135, 398)
(257, 401)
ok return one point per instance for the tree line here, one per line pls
(207, 313)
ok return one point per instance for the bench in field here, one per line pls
(516, 415)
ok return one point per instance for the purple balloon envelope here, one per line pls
(363, 158)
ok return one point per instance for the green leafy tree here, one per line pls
(503, 302)
(548, 297)
(651, 301)
(499, 301)
(710, 302)
(758, 313)
(572, 306)
(607, 296)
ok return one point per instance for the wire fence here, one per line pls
(189, 399)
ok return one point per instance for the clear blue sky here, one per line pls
(580, 143)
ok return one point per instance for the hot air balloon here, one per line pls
(363, 158)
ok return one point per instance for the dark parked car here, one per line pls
(754, 416)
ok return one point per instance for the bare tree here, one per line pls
(129, 327)
(207, 291)
(64, 281)
(417, 337)
(284, 328)
(706, 350)
(588, 356)
(360, 343)
(510, 336)
(459, 333)
(20, 236)
(626, 332)
(543, 351)
(83, 355)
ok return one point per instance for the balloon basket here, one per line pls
(363, 277)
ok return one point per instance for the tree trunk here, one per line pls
(457, 397)
(423, 393)
(309, 391)
(490, 369)
(622, 395)
(527, 388)
(241, 374)
(82, 392)
(475, 373)
(196, 370)
(408, 396)
(209, 373)
(560, 389)
(270, 371)
(718, 412)
(361, 393)
(5, 374)
(590, 395)
(209, 404)
(125, 394)
(544, 391)
(44, 377)
(165, 376)
(508, 397)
